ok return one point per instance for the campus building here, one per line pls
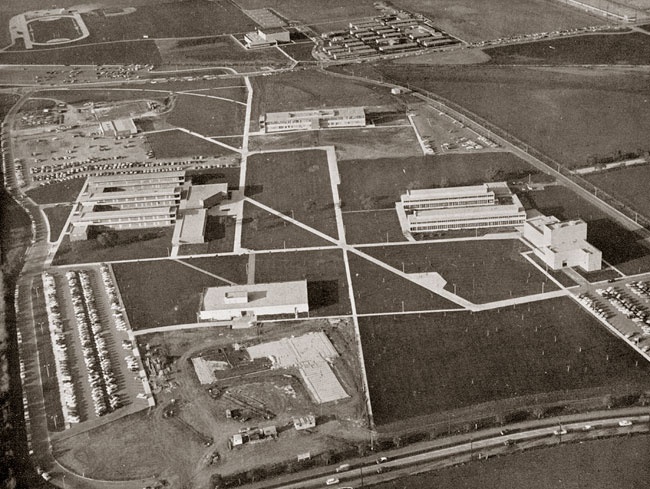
(313, 119)
(265, 37)
(561, 244)
(192, 215)
(453, 208)
(236, 301)
(118, 128)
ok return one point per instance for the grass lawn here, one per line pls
(179, 144)
(482, 271)
(629, 185)
(627, 49)
(309, 11)
(232, 268)
(207, 116)
(324, 271)
(547, 107)
(61, 28)
(219, 237)
(426, 364)
(161, 292)
(378, 184)
(620, 247)
(141, 52)
(379, 226)
(59, 192)
(351, 144)
(57, 217)
(295, 183)
(130, 244)
(262, 230)
(82, 95)
(299, 51)
(115, 450)
(379, 290)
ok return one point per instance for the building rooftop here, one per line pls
(125, 124)
(466, 212)
(160, 192)
(316, 113)
(124, 214)
(190, 228)
(258, 295)
(198, 194)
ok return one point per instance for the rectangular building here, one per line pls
(466, 218)
(313, 119)
(442, 198)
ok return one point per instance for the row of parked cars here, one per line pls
(95, 351)
(69, 404)
(593, 306)
(640, 289)
(111, 290)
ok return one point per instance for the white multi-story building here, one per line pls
(453, 208)
(561, 244)
(306, 120)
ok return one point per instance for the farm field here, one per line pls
(435, 363)
(324, 271)
(529, 102)
(179, 144)
(161, 292)
(262, 230)
(141, 52)
(622, 248)
(473, 20)
(223, 50)
(57, 217)
(123, 245)
(350, 144)
(59, 192)
(378, 184)
(630, 49)
(380, 226)
(311, 90)
(629, 185)
(295, 183)
(479, 271)
(597, 464)
(169, 19)
(207, 116)
(379, 290)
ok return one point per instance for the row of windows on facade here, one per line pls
(464, 225)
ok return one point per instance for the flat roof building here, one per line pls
(233, 301)
(118, 128)
(264, 37)
(561, 244)
(313, 119)
(468, 207)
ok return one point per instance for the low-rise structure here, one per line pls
(118, 128)
(264, 37)
(236, 301)
(313, 119)
(561, 244)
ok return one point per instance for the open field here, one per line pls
(324, 271)
(299, 51)
(629, 185)
(232, 268)
(474, 20)
(161, 292)
(623, 249)
(57, 217)
(380, 226)
(179, 144)
(295, 183)
(378, 184)
(60, 28)
(480, 271)
(439, 362)
(262, 230)
(170, 19)
(207, 116)
(351, 144)
(81, 95)
(630, 49)
(312, 90)
(223, 50)
(142, 52)
(379, 290)
(127, 245)
(597, 464)
(314, 11)
(66, 191)
(547, 107)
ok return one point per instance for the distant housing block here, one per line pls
(230, 302)
(473, 207)
(562, 244)
(313, 119)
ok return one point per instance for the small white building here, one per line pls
(306, 120)
(235, 301)
(265, 37)
(561, 244)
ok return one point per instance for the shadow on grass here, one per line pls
(322, 293)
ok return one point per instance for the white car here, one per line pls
(331, 481)
(625, 422)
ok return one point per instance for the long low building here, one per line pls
(236, 301)
(453, 208)
(313, 119)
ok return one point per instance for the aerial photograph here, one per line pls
(298, 244)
